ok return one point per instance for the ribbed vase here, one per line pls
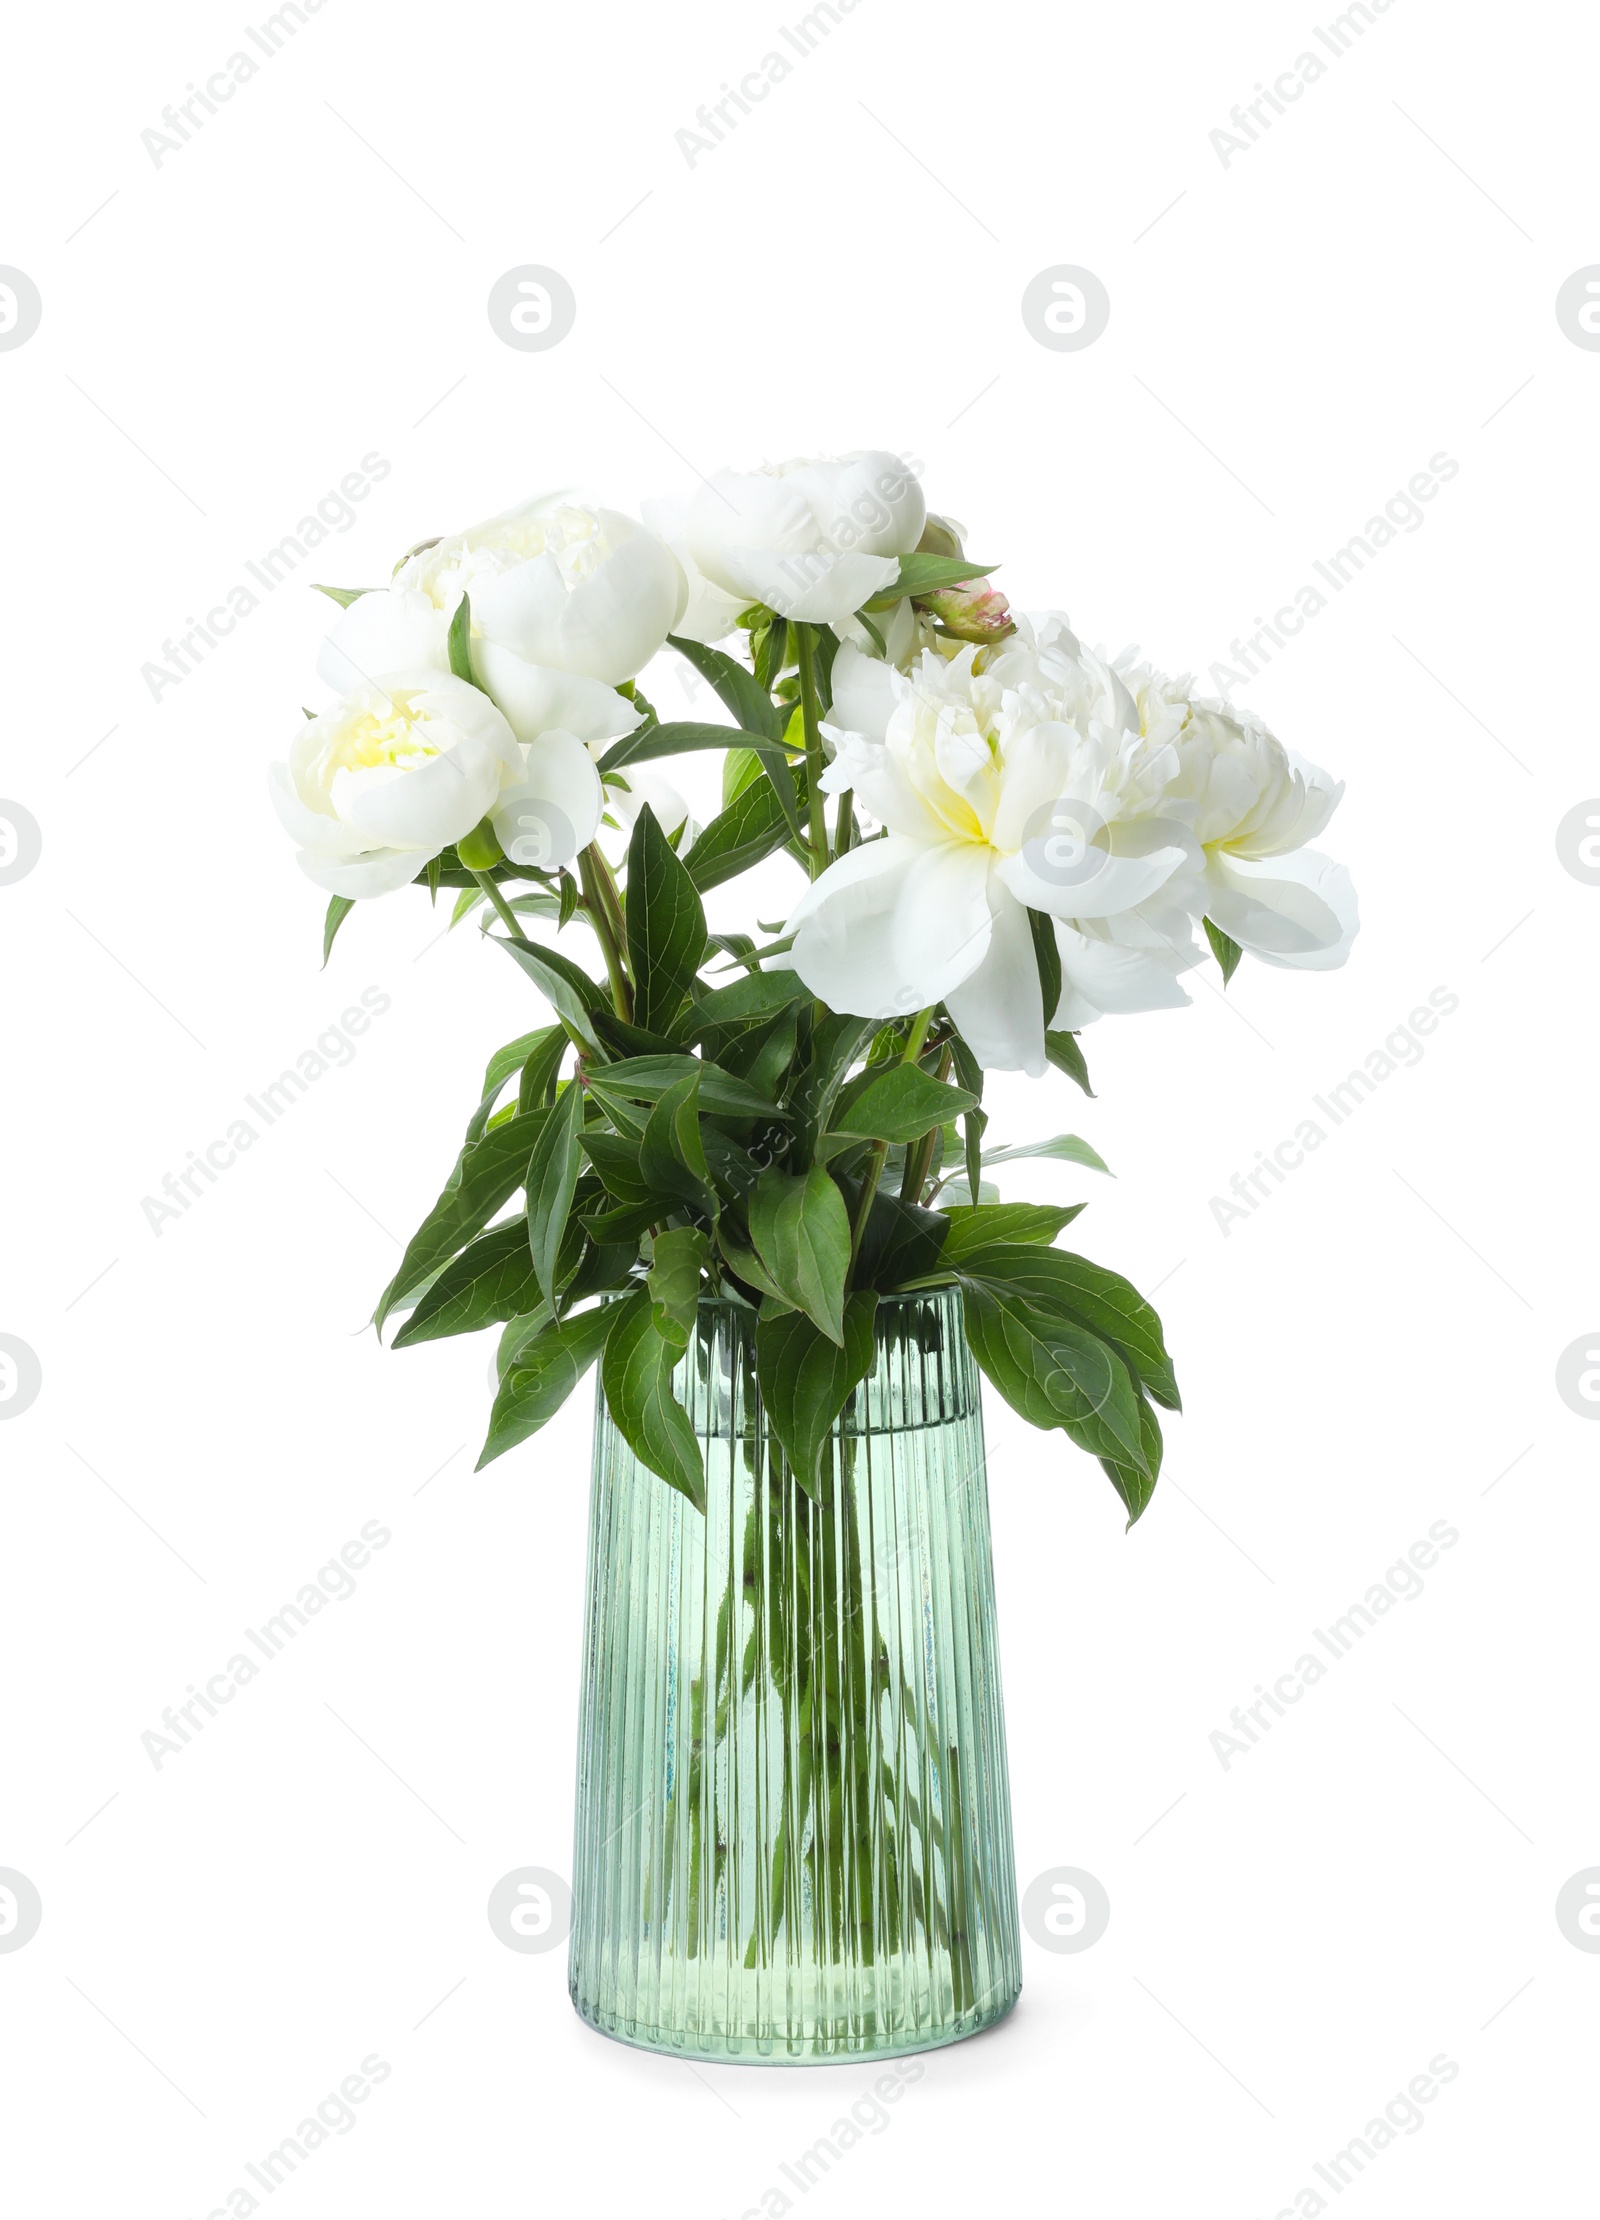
(793, 1835)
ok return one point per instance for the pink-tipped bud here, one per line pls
(974, 610)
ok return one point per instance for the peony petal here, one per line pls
(319, 831)
(522, 608)
(394, 629)
(380, 872)
(1101, 976)
(1056, 871)
(709, 614)
(813, 586)
(893, 926)
(426, 808)
(869, 503)
(620, 615)
(864, 692)
(536, 698)
(543, 819)
(999, 1009)
(1300, 915)
(1036, 774)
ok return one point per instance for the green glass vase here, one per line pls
(793, 1836)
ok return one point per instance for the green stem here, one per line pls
(508, 916)
(605, 915)
(844, 824)
(880, 1149)
(815, 765)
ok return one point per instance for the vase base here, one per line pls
(830, 2048)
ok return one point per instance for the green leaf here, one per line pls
(552, 1181)
(1053, 1373)
(492, 1279)
(517, 1331)
(339, 909)
(901, 1242)
(1047, 957)
(747, 1001)
(632, 1040)
(571, 993)
(806, 1380)
(741, 768)
(1064, 1052)
(512, 1058)
(537, 1088)
(801, 1232)
(621, 1227)
(672, 1160)
(636, 1378)
(1064, 1148)
(344, 595)
(977, 1227)
(745, 1264)
(673, 1280)
(771, 652)
(486, 1175)
(1226, 951)
(752, 825)
(896, 1102)
(836, 1042)
(616, 1159)
(1136, 1487)
(646, 742)
(546, 1370)
(647, 1078)
(666, 926)
(735, 688)
(1103, 1302)
(925, 574)
(466, 902)
(458, 641)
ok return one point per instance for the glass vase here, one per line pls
(793, 1837)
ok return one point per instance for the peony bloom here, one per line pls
(813, 540)
(1250, 806)
(1002, 777)
(375, 787)
(567, 604)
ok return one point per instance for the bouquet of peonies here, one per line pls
(1001, 834)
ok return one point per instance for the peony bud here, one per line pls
(973, 610)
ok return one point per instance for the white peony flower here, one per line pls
(814, 540)
(1001, 777)
(567, 604)
(1251, 806)
(375, 787)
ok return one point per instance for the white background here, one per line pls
(1292, 337)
